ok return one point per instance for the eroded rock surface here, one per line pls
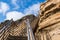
(49, 21)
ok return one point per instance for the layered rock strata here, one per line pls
(49, 21)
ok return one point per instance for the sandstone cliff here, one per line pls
(49, 21)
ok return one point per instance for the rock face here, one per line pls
(49, 21)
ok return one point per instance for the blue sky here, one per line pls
(16, 9)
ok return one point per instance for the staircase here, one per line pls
(29, 33)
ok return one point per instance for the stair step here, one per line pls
(17, 38)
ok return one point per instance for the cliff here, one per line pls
(49, 21)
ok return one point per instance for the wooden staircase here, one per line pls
(29, 34)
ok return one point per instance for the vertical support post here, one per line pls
(29, 31)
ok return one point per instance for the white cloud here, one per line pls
(14, 2)
(14, 14)
(4, 7)
(17, 15)
(32, 9)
